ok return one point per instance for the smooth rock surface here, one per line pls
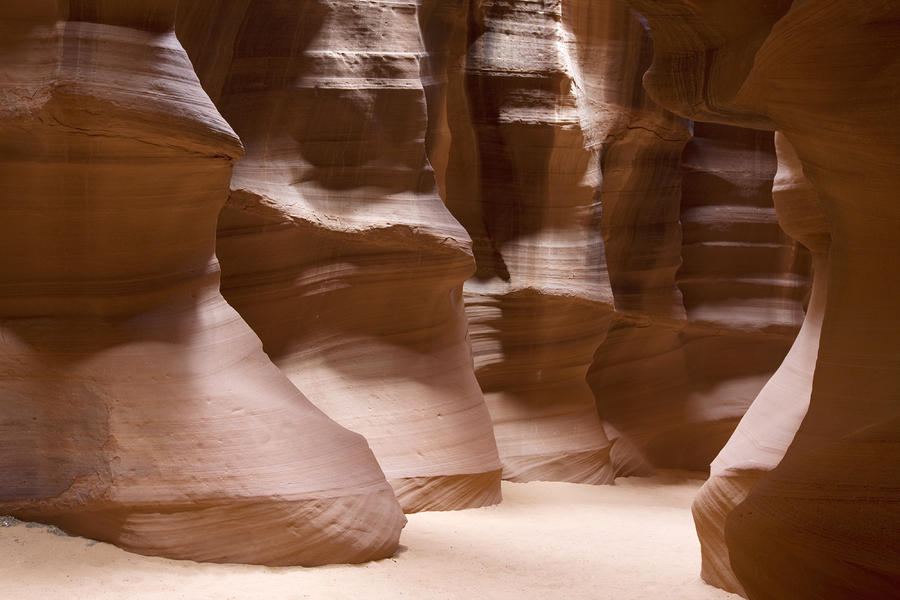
(767, 429)
(826, 74)
(137, 406)
(334, 243)
(708, 288)
(575, 185)
(522, 180)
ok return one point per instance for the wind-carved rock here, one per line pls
(523, 182)
(334, 243)
(638, 145)
(692, 245)
(768, 427)
(137, 406)
(542, 99)
(743, 282)
(826, 74)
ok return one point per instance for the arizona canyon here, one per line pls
(605, 294)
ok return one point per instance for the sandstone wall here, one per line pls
(575, 185)
(824, 74)
(709, 293)
(628, 290)
(334, 243)
(522, 180)
(137, 406)
(767, 429)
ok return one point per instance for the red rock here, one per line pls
(825, 74)
(522, 179)
(334, 243)
(138, 407)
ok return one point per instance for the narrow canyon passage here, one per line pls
(450, 298)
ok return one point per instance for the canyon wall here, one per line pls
(708, 290)
(522, 181)
(767, 429)
(467, 232)
(826, 75)
(337, 251)
(138, 407)
(546, 121)
(335, 246)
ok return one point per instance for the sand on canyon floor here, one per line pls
(634, 540)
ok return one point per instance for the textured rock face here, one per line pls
(522, 180)
(739, 271)
(683, 357)
(768, 427)
(334, 243)
(639, 145)
(826, 74)
(137, 406)
(743, 282)
(708, 288)
(541, 100)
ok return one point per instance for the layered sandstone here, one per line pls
(138, 407)
(638, 145)
(768, 427)
(522, 180)
(541, 120)
(708, 289)
(826, 74)
(742, 280)
(334, 243)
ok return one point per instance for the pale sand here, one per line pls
(634, 540)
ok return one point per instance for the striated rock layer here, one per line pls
(743, 281)
(540, 100)
(708, 289)
(768, 427)
(137, 406)
(638, 145)
(334, 243)
(522, 181)
(826, 74)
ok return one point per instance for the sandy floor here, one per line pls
(634, 540)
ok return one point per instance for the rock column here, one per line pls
(334, 243)
(137, 406)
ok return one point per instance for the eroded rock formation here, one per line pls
(826, 74)
(523, 182)
(334, 243)
(137, 406)
(638, 146)
(547, 120)
(767, 429)
(708, 288)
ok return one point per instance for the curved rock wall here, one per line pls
(137, 406)
(708, 290)
(767, 429)
(547, 120)
(743, 282)
(334, 243)
(824, 73)
(639, 145)
(522, 181)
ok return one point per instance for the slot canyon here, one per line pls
(450, 299)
